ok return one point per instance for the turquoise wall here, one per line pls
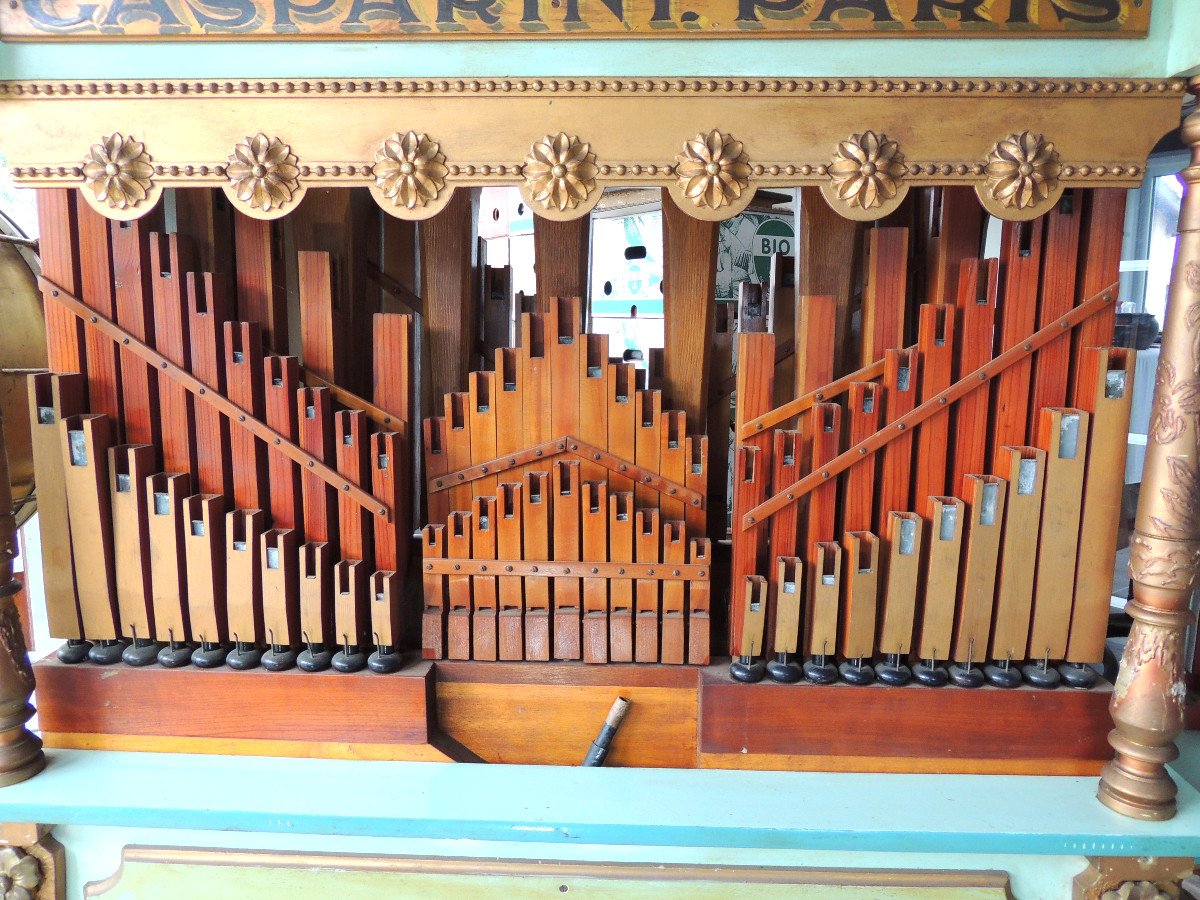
(1172, 48)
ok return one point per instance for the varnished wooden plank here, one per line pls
(699, 600)
(446, 245)
(978, 288)
(826, 266)
(936, 346)
(674, 551)
(953, 222)
(315, 424)
(244, 381)
(1101, 234)
(647, 542)
(458, 445)
(594, 515)
(483, 587)
(134, 312)
(85, 441)
(593, 401)
(563, 326)
(905, 538)
(985, 498)
(245, 534)
(536, 523)
(864, 412)
(261, 283)
(204, 217)
(170, 258)
(53, 398)
(458, 611)
(560, 259)
(567, 496)
(1024, 468)
(1064, 436)
(945, 541)
(59, 255)
(689, 286)
(860, 594)
(129, 465)
(281, 380)
(511, 618)
(1020, 261)
(901, 373)
(320, 325)
(481, 412)
(885, 283)
(1112, 370)
(388, 710)
(96, 290)
(783, 543)
(621, 595)
(434, 593)
(207, 311)
(622, 420)
(165, 494)
(1026, 726)
(205, 554)
(648, 442)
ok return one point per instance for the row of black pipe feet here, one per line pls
(238, 655)
(895, 671)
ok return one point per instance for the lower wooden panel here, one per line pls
(549, 714)
(256, 712)
(912, 729)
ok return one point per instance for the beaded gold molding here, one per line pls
(864, 142)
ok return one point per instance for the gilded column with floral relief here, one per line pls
(1147, 704)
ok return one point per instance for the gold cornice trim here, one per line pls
(600, 87)
(788, 132)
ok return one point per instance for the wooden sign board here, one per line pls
(455, 19)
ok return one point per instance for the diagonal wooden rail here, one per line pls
(567, 444)
(977, 379)
(805, 402)
(237, 415)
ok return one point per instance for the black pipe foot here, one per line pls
(747, 669)
(350, 659)
(1039, 676)
(819, 670)
(893, 672)
(1003, 676)
(105, 653)
(175, 655)
(206, 656)
(784, 669)
(279, 658)
(142, 652)
(930, 674)
(73, 651)
(855, 671)
(385, 660)
(243, 656)
(1078, 675)
(967, 676)
(314, 658)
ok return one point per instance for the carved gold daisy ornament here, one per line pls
(867, 169)
(410, 169)
(1022, 170)
(118, 171)
(560, 171)
(713, 169)
(263, 172)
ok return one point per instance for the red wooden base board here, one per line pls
(547, 713)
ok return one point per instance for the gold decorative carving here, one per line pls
(263, 172)
(1163, 563)
(1132, 878)
(1023, 170)
(560, 171)
(1192, 276)
(410, 169)
(713, 169)
(20, 874)
(867, 169)
(1173, 400)
(118, 171)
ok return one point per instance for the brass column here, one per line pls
(1147, 704)
(20, 752)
